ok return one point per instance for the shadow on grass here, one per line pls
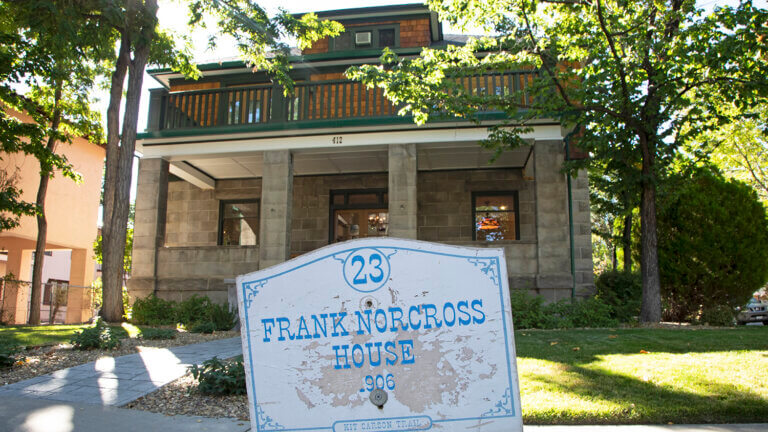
(636, 401)
(31, 336)
(558, 345)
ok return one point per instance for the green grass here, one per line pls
(49, 335)
(639, 376)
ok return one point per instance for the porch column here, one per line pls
(149, 227)
(554, 279)
(276, 208)
(16, 295)
(79, 293)
(402, 191)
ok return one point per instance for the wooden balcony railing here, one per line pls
(310, 101)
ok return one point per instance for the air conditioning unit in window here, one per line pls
(363, 38)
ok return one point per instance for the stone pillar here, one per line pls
(402, 191)
(553, 280)
(582, 234)
(78, 293)
(149, 227)
(276, 208)
(16, 295)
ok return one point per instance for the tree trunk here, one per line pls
(626, 240)
(118, 179)
(614, 261)
(112, 255)
(650, 310)
(42, 223)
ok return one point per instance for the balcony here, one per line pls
(313, 104)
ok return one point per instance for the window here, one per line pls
(55, 291)
(358, 214)
(494, 215)
(239, 222)
(367, 37)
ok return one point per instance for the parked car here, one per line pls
(754, 311)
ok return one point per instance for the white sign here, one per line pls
(424, 328)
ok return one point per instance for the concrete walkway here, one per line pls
(119, 380)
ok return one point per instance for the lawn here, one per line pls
(636, 376)
(47, 335)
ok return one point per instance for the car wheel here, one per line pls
(741, 322)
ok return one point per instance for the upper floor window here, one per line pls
(495, 216)
(367, 37)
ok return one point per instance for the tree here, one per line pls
(740, 150)
(713, 243)
(259, 39)
(655, 72)
(48, 44)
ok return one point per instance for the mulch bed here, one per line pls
(44, 360)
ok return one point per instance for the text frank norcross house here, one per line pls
(236, 177)
(381, 334)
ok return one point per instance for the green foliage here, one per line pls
(153, 310)
(219, 377)
(9, 355)
(149, 333)
(205, 327)
(192, 310)
(99, 336)
(718, 315)
(197, 313)
(221, 316)
(530, 312)
(713, 244)
(622, 291)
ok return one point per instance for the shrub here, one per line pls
(622, 291)
(100, 335)
(590, 312)
(192, 310)
(526, 310)
(720, 315)
(153, 311)
(157, 333)
(713, 244)
(221, 316)
(219, 377)
(202, 327)
(9, 355)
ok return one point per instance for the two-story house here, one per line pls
(235, 176)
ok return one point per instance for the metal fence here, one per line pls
(53, 305)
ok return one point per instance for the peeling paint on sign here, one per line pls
(429, 324)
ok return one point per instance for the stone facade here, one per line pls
(189, 261)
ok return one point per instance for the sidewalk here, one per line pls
(117, 381)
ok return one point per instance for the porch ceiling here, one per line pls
(431, 157)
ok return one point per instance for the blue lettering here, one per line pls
(338, 323)
(389, 347)
(446, 307)
(406, 346)
(464, 311)
(370, 354)
(476, 304)
(339, 357)
(324, 328)
(363, 324)
(284, 328)
(267, 328)
(381, 324)
(362, 356)
(430, 311)
(303, 326)
(411, 310)
(396, 319)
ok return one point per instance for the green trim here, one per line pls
(570, 215)
(301, 125)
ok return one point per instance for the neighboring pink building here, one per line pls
(72, 214)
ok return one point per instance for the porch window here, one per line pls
(239, 222)
(358, 214)
(494, 215)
